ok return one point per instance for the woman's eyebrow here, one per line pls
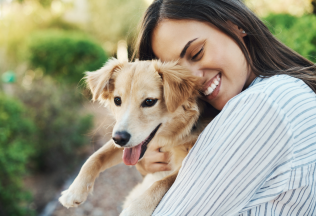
(186, 47)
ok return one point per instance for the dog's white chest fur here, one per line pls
(144, 185)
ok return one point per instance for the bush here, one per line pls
(279, 22)
(62, 129)
(64, 55)
(16, 147)
(299, 33)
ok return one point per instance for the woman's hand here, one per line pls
(154, 161)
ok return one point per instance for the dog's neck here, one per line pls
(179, 126)
(187, 122)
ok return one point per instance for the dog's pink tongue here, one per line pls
(131, 155)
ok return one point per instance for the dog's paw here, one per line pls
(75, 195)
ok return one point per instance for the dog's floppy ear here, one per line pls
(99, 81)
(178, 83)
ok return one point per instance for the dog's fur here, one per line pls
(177, 110)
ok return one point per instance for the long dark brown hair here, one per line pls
(264, 53)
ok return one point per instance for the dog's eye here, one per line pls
(117, 101)
(149, 102)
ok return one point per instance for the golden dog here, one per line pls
(151, 101)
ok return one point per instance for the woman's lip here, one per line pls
(216, 91)
(209, 83)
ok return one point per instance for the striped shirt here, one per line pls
(257, 157)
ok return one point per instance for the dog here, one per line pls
(151, 101)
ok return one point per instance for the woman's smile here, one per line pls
(212, 87)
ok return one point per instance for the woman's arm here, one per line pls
(232, 159)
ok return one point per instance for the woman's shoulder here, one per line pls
(267, 83)
(284, 93)
(285, 98)
(284, 90)
(278, 83)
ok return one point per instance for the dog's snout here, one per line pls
(121, 137)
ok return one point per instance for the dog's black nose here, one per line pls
(121, 137)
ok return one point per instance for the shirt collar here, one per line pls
(255, 81)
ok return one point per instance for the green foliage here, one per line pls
(299, 33)
(119, 17)
(16, 147)
(278, 22)
(45, 3)
(64, 55)
(58, 23)
(62, 129)
(24, 18)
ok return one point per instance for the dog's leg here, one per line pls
(145, 204)
(107, 156)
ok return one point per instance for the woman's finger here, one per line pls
(158, 167)
(158, 157)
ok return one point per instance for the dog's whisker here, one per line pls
(110, 125)
(103, 124)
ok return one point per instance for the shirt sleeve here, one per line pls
(233, 157)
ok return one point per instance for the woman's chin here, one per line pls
(219, 106)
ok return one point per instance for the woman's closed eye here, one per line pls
(198, 55)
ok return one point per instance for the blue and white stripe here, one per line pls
(257, 157)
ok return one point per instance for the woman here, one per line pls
(257, 157)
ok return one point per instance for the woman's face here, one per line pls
(208, 53)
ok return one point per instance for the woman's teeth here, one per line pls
(213, 86)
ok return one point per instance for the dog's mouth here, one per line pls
(132, 155)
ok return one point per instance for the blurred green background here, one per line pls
(45, 48)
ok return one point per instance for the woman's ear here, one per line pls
(178, 84)
(241, 32)
(99, 81)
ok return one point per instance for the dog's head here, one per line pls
(143, 96)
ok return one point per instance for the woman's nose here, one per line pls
(196, 71)
(194, 68)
